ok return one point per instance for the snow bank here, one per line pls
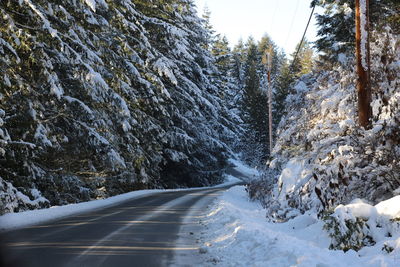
(11, 221)
(360, 224)
(237, 234)
(390, 207)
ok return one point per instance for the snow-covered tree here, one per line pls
(337, 24)
(103, 97)
(322, 158)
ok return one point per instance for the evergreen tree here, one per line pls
(238, 59)
(209, 29)
(267, 45)
(337, 23)
(254, 106)
(229, 88)
(100, 98)
(222, 54)
(304, 60)
(249, 73)
(289, 72)
(283, 87)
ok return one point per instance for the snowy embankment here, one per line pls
(13, 221)
(238, 234)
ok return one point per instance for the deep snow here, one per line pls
(237, 234)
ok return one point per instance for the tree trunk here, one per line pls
(363, 63)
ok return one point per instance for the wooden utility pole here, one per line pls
(267, 60)
(270, 111)
(363, 63)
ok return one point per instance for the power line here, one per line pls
(302, 39)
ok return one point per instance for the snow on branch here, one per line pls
(93, 3)
(164, 68)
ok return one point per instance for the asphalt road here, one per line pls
(154, 230)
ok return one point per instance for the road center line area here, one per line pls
(155, 230)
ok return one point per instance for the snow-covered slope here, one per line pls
(322, 158)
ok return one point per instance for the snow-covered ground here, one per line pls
(12, 221)
(237, 234)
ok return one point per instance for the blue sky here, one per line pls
(283, 20)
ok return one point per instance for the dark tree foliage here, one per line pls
(255, 103)
(105, 99)
(251, 75)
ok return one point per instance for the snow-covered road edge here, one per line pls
(236, 233)
(12, 221)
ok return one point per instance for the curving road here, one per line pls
(154, 230)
